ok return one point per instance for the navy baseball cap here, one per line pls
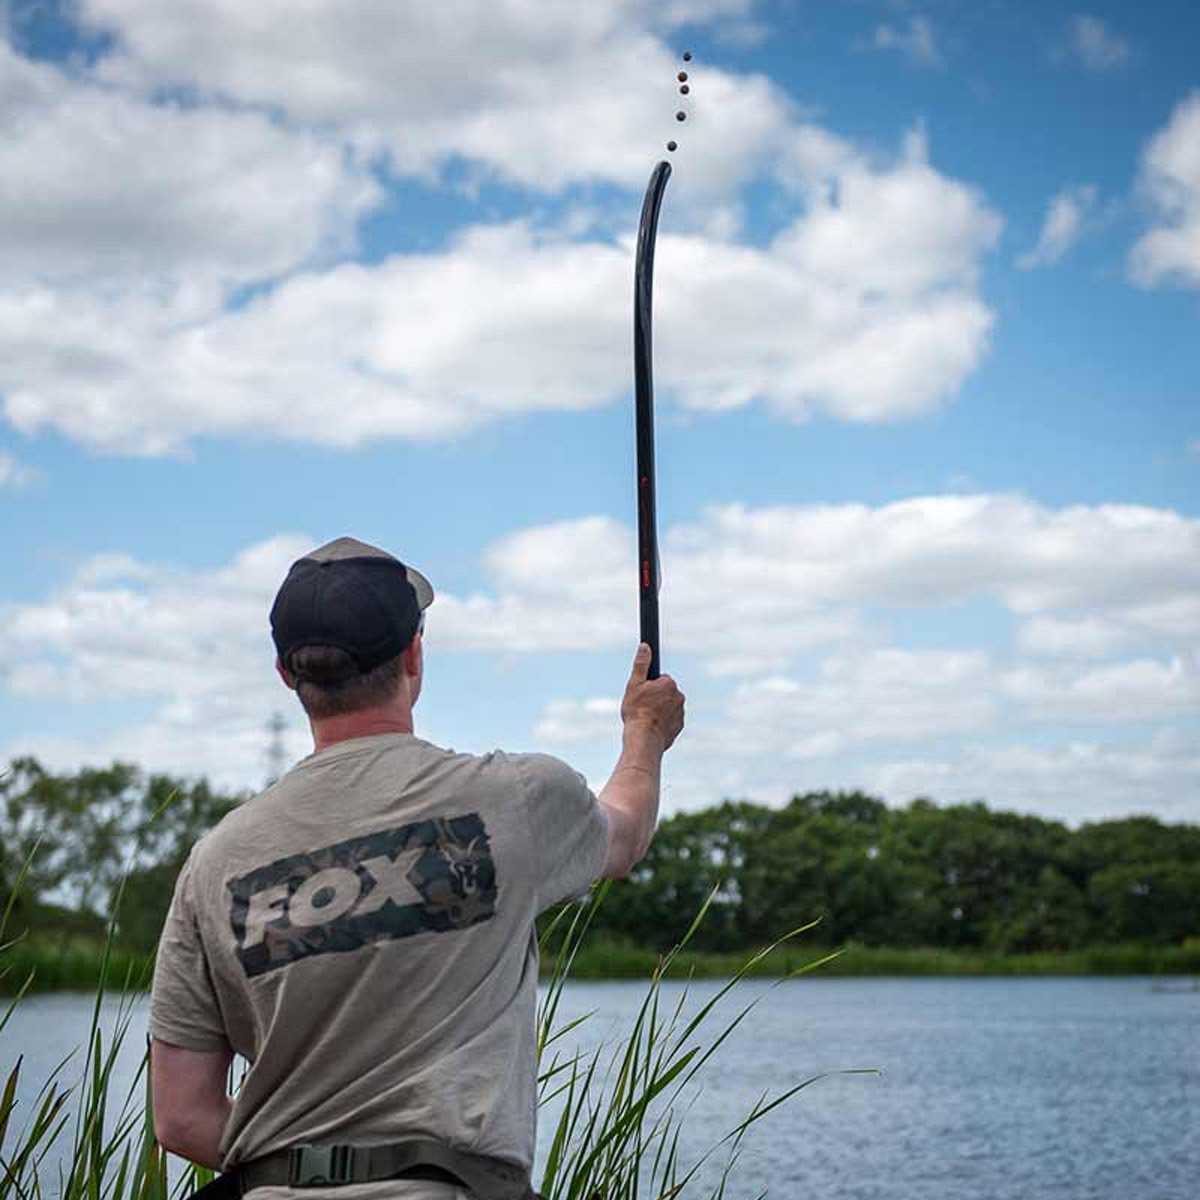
(352, 596)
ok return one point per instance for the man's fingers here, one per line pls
(641, 664)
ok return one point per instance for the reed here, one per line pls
(112, 1152)
(616, 1134)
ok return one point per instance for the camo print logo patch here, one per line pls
(426, 877)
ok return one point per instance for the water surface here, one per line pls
(993, 1089)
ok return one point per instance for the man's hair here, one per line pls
(327, 688)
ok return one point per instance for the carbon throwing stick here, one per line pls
(649, 579)
(643, 376)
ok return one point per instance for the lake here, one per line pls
(993, 1089)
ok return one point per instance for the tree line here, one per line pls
(100, 841)
(958, 877)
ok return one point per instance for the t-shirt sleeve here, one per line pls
(184, 1010)
(568, 828)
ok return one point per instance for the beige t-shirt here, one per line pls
(362, 933)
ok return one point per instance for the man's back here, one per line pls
(362, 933)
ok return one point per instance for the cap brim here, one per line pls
(421, 586)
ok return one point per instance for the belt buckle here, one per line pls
(314, 1166)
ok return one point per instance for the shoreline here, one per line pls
(79, 970)
(858, 961)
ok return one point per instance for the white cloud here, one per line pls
(857, 206)
(1081, 584)
(1171, 616)
(122, 629)
(1138, 690)
(538, 94)
(941, 550)
(570, 722)
(917, 43)
(14, 473)
(885, 696)
(1054, 637)
(793, 579)
(419, 348)
(1065, 778)
(865, 307)
(171, 192)
(1170, 182)
(1065, 217)
(1095, 45)
(194, 645)
(112, 568)
(117, 321)
(1106, 598)
(1072, 781)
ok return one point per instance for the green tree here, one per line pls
(692, 855)
(69, 828)
(1052, 915)
(1147, 902)
(82, 832)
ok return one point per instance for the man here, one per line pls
(362, 932)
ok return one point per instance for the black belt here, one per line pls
(335, 1164)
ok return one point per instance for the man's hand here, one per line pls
(655, 703)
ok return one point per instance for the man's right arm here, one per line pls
(630, 800)
(652, 712)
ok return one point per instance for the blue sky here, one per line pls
(929, 439)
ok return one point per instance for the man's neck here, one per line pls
(368, 722)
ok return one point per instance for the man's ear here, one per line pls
(412, 656)
(287, 679)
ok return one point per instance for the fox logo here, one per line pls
(430, 876)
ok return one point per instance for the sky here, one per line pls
(927, 303)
